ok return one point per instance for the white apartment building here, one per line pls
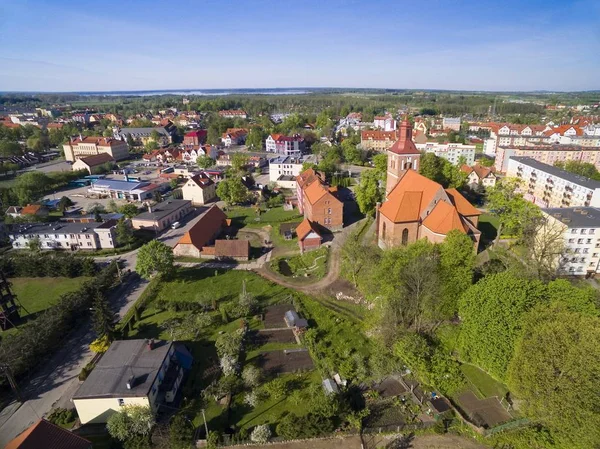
(66, 236)
(385, 122)
(450, 151)
(549, 186)
(283, 170)
(580, 228)
(285, 145)
(81, 147)
(452, 123)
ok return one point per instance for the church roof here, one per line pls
(405, 144)
(444, 218)
(462, 205)
(410, 197)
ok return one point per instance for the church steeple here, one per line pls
(402, 156)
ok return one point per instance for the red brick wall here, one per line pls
(328, 212)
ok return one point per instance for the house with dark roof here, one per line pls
(417, 207)
(90, 163)
(132, 372)
(199, 189)
(162, 215)
(44, 434)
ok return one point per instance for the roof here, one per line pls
(100, 141)
(379, 135)
(138, 132)
(232, 248)
(162, 210)
(52, 228)
(410, 197)
(315, 191)
(13, 210)
(44, 434)
(115, 184)
(197, 133)
(481, 171)
(307, 177)
(206, 227)
(31, 209)
(562, 129)
(404, 145)
(444, 218)
(462, 205)
(124, 359)
(97, 159)
(558, 172)
(576, 217)
(305, 228)
(201, 180)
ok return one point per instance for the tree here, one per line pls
(441, 171)
(130, 210)
(513, 212)
(155, 135)
(352, 154)
(103, 318)
(8, 148)
(130, 420)
(31, 186)
(34, 244)
(543, 241)
(124, 233)
(151, 145)
(205, 161)
(232, 190)
(585, 169)
(255, 138)
(380, 164)
(181, 432)
(261, 434)
(369, 192)
(555, 371)
(239, 162)
(64, 203)
(323, 120)
(155, 257)
(173, 183)
(251, 375)
(100, 344)
(457, 261)
(491, 312)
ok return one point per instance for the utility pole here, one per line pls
(5, 368)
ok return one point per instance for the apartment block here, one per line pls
(452, 152)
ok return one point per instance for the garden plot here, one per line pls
(390, 387)
(263, 337)
(487, 412)
(273, 318)
(286, 361)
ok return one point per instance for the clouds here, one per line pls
(60, 46)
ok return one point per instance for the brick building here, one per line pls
(319, 202)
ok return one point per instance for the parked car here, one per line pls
(175, 225)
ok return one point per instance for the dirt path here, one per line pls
(333, 271)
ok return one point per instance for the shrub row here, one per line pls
(47, 265)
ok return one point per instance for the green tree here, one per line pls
(130, 210)
(585, 169)
(64, 203)
(352, 154)
(173, 183)
(380, 164)
(323, 120)
(369, 192)
(124, 233)
(232, 190)
(8, 148)
(555, 371)
(491, 312)
(130, 421)
(255, 138)
(103, 318)
(181, 432)
(155, 257)
(205, 161)
(34, 244)
(457, 262)
(239, 162)
(151, 145)
(31, 186)
(156, 136)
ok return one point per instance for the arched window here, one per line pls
(405, 236)
(383, 232)
(408, 165)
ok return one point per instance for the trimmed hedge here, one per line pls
(47, 265)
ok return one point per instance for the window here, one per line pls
(570, 240)
(87, 236)
(579, 241)
(405, 236)
(583, 231)
(586, 250)
(329, 211)
(592, 231)
(89, 243)
(577, 250)
(588, 241)
(382, 232)
(573, 231)
(121, 402)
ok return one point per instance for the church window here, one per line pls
(405, 236)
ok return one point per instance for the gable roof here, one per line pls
(307, 177)
(49, 436)
(444, 218)
(201, 180)
(412, 194)
(305, 228)
(205, 228)
(404, 145)
(31, 209)
(232, 248)
(462, 205)
(97, 159)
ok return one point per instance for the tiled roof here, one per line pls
(31, 209)
(410, 197)
(100, 141)
(315, 191)
(44, 434)
(305, 228)
(564, 128)
(202, 180)
(379, 135)
(307, 177)
(97, 159)
(482, 172)
(462, 205)
(404, 145)
(205, 228)
(232, 248)
(444, 218)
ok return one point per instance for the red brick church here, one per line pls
(416, 207)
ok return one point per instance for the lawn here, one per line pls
(247, 216)
(310, 265)
(37, 294)
(482, 384)
(488, 225)
(448, 335)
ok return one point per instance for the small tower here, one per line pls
(402, 156)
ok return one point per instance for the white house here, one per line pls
(452, 152)
(65, 236)
(283, 170)
(199, 189)
(385, 122)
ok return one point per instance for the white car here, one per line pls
(175, 225)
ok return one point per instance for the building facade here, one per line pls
(318, 202)
(285, 145)
(81, 147)
(478, 175)
(162, 215)
(65, 236)
(377, 140)
(199, 189)
(452, 152)
(283, 170)
(123, 190)
(452, 123)
(234, 136)
(385, 122)
(549, 186)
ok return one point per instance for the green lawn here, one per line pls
(310, 265)
(488, 225)
(483, 384)
(247, 216)
(37, 294)
(448, 335)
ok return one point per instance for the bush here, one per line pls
(86, 370)
(62, 416)
(261, 434)
(47, 265)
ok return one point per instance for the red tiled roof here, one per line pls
(202, 180)
(97, 159)
(379, 135)
(197, 133)
(562, 129)
(100, 141)
(462, 205)
(205, 228)
(44, 434)
(444, 218)
(305, 228)
(31, 209)
(404, 145)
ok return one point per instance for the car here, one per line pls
(175, 225)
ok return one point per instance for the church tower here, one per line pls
(402, 156)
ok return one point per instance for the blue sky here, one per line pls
(64, 45)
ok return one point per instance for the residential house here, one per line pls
(550, 186)
(574, 234)
(233, 113)
(144, 135)
(81, 147)
(285, 145)
(14, 211)
(193, 139)
(452, 123)
(90, 163)
(44, 434)
(66, 236)
(162, 215)
(283, 170)
(452, 152)
(234, 136)
(34, 210)
(199, 189)
(478, 175)
(308, 235)
(132, 372)
(417, 207)
(318, 202)
(385, 122)
(377, 140)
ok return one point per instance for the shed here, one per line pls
(330, 387)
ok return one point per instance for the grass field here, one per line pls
(247, 216)
(488, 225)
(312, 265)
(37, 294)
(482, 384)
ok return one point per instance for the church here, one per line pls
(416, 207)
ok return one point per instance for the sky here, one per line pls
(508, 45)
